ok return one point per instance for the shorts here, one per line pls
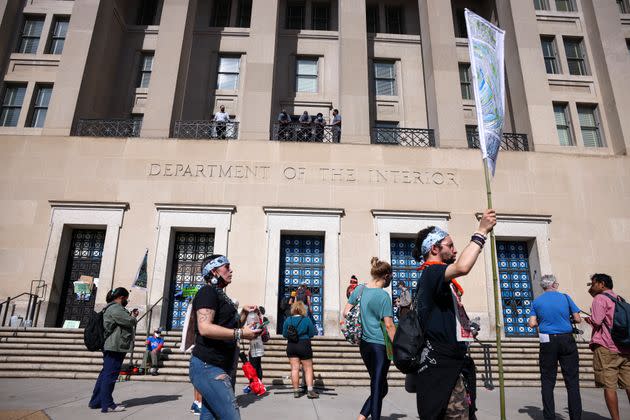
(612, 370)
(302, 350)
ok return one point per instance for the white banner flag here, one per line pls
(140, 281)
(485, 45)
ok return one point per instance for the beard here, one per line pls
(450, 260)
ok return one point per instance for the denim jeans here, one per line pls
(104, 387)
(215, 386)
(375, 359)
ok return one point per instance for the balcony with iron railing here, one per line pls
(113, 127)
(206, 130)
(412, 137)
(305, 132)
(511, 141)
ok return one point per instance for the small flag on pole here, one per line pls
(485, 45)
(140, 282)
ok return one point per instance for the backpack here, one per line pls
(94, 333)
(620, 329)
(352, 329)
(292, 332)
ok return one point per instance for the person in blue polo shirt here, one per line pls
(553, 313)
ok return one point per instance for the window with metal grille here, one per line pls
(394, 23)
(372, 18)
(229, 67)
(306, 75)
(146, 67)
(589, 126)
(244, 16)
(465, 81)
(58, 36)
(385, 78)
(221, 13)
(31, 33)
(565, 5)
(12, 104)
(40, 105)
(320, 17)
(295, 15)
(548, 45)
(386, 132)
(561, 114)
(541, 4)
(404, 269)
(576, 58)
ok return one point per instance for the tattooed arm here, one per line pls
(207, 328)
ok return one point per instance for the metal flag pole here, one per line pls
(495, 285)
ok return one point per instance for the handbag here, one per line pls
(351, 328)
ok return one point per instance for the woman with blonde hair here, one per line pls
(298, 330)
(376, 308)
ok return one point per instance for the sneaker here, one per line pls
(247, 390)
(311, 395)
(154, 372)
(297, 394)
(195, 409)
(114, 409)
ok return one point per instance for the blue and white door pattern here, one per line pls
(302, 261)
(190, 249)
(516, 287)
(404, 267)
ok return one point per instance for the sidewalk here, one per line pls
(35, 399)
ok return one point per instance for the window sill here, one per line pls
(51, 58)
(387, 98)
(21, 131)
(144, 29)
(395, 38)
(569, 78)
(555, 16)
(309, 34)
(224, 31)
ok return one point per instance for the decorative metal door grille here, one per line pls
(302, 261)
(404, 268)
(86, 253)
(190, 249)
(516, 287)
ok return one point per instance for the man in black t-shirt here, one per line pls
(440, 382)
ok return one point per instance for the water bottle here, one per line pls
(256, 347)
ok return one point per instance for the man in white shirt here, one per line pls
(221, 118)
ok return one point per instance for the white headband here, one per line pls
(212, 264)
(435, 236)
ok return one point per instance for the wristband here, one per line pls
(480, 234)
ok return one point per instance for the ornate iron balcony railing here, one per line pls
(202, 129)
(510, 141)
(305, 132)
(414, 137)
(123, 127)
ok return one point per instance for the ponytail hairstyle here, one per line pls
(381, 270)
(116, 293)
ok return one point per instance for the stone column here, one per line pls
(441, 73)
(354, 98)
(170, 68)
(256, 106)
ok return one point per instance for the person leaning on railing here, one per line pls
(221, 118)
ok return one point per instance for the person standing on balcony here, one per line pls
(320, 123)
(284, 123)
(336, 125)
(305, 127)
(221, 119)
(553, 313)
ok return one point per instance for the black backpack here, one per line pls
(94, 333)
(292, 332)
(620, 329)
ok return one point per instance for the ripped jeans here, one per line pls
(215, 386)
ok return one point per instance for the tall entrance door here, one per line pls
(404, 268)
(516, 287)
(84, 259)
(190, 249)
(302, 261)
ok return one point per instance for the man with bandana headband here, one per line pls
(216, 323)
(439, 383)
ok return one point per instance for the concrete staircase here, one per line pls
(60, 353)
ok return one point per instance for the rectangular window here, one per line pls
(244, 13)
(576, 59)
(321, 17)
(40, 105)
(394, 20)
(371, 16)
(386, 132)
(146, 67)
(589, 126)
(306, 75)
(58, 37)
(31, 32)
(624, 6)
(11, 105)
(148, 13)
(385, 78)
(465, 81)
(561, 113)
(565, 6)
(229, 68)
(221, 14)
(628, 44)
(295, 15)
(550, 54)
(541, 4)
